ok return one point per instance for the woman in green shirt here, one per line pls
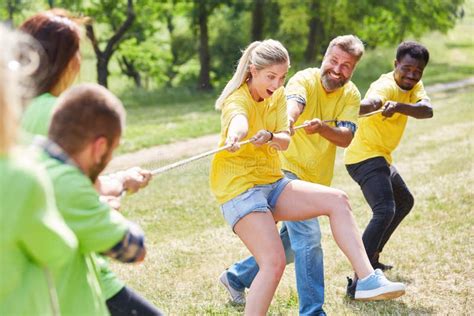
(34, 240)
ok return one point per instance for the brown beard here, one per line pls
(332, 84)
(95, 170)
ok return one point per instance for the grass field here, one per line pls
(168, 115)
(189, 243)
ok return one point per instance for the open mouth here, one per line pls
(333, 75)
(270, 92)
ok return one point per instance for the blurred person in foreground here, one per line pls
(34, 239)
(85, 129)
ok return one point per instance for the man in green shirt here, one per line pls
(36, 121)
(85, 129)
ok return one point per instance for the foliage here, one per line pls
(13, 12)
(163, 44)
(166, 110)
(392, 21)
(229, 34)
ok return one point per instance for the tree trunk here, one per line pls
(316, 32)
(103, 56)
(11, 12)
(102, 71)
(128, 68)
(258, 19)
(170, 72)
(204, 82)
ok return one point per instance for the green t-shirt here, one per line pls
(97, 227)
(33, 238)
(109, 282)
(36, 121)
(37, 116)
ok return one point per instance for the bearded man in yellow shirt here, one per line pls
(313, 95)
(368, 159)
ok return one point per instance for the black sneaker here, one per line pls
(381, 266)
(351, 287)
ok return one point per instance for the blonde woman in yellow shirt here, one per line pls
(250, 186)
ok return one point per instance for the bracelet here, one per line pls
(271, 136)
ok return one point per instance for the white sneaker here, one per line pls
(236, 296)
(377, 287)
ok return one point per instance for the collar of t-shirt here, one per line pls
(54, 150)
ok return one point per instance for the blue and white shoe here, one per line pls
(377, 287)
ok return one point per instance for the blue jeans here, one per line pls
(260, 198)
(302, 243)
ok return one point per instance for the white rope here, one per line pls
(191, 159)
(215, 151)
(371, 113)
(211, 152)
(307, 124)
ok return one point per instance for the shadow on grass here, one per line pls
(386, 308)
(399, 278)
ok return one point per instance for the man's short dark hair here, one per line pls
(83, 114)
(414, 49)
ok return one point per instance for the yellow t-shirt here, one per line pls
(234, 173)
(375, 136)
(311, 157)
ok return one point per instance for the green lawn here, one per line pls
(189, 243)
(168, 115)
(176, 118)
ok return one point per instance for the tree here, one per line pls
(258, 19)
(176, 42)
(203, 11)
(129, 68)
(13, 9)
(104, 56)
(389, 22)
(316, 32)
(182, 44)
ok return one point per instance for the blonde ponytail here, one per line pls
(261, 54)
(240, 75)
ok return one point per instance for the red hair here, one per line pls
(59, 36)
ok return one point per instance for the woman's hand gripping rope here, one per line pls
(260, 138)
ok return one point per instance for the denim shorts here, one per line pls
(260, 198)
